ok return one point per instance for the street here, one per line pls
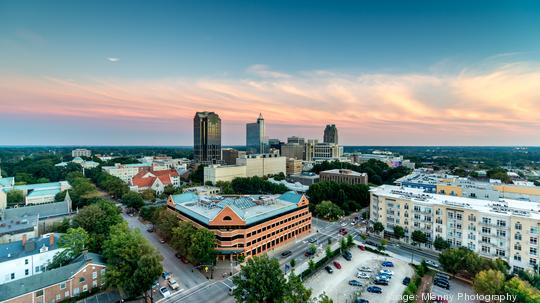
(183, 273)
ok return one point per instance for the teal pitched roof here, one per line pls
(251, 209)
(47, 278)
(291, 196)
(45, 192)
(7, 181)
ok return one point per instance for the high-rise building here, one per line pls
(256, 141)
(295, 139)
(207, 138)
(230, 155)
(330, 134)
(293, 150)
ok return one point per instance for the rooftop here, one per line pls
(26, 217)
(251, 209)
(47, 278)
(340, 171)
(503, 207)
(15, 250)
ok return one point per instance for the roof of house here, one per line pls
(47, 278)
(15, 250)
(250, 209)
(26, 217)
(7, 181)
(146, 178)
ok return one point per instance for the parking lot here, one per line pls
(336, 285)
(452, 295)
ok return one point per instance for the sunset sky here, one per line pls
(385, 72)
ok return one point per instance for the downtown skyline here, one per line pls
(453, 73)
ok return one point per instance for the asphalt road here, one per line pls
(183, 273)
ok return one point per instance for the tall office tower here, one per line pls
(295, 139)
(256, 141)
(207, 138)
(330, 134)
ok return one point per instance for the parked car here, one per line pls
(432, 263)
(309, 253)
(347, 255)
(387, 264)
(312, 240)
(365, 269)
(173, 284)
(383, 277)
(342, 231)
(165, 292)
(355, 283)
(329, 269)
(441, 283)
(286, 253)
(374, 289)
(386, 272)
(380, 282)
(440, 275)
(337, 265)
(361, 301)
(372, 243)
(363, 275)
(406, 281)
(166, 275)
(361, 247)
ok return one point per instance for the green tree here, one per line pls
(452, 259)
(418, 236)
(440, 244)
(260, 280)
(133, 199)
(350, 240)
(343, 244)
(382, 244)
(97, 220)
(523, 291)
(312, 248)
(323, 298)
(311, 265)
(149, 195)
(166, 221)
(328, 252)
(132, 263)
(399, 232)
(202, 249)
(75, 240)
(329, 211)
(296, 292)
(378, 227)
(293, 262)
(14, 197)
(489, 282)
(181, 239)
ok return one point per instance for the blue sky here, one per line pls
(56, 45)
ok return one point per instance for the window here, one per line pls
(76, 291)
(39, 293)
(63, 285)
(82, 279)
(26, 272)
(517, 257)
(486, 220)
(36, 269)
(517, 246)
(534, 230)
(26, 261)
(517, 236)
(94, 275)
(533, 251)
(534, 240)
(518, 226)
(486, 230)
(12, 275)
(472, 218)
(501, 233)
(532, 261)
(58, 296)
(85, 287)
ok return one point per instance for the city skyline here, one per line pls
(386, 73)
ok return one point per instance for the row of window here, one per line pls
(266, 246)
(273, 225)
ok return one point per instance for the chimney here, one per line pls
(24, 240)
(51, 241)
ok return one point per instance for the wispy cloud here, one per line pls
(499, 105)
(111, 59)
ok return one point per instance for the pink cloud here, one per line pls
(491, 106)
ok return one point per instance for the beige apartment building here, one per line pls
(506, 229)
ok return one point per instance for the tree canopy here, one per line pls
(348, 197)
(328, 210)
(132, 263)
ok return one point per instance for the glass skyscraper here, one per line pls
(207, 138)
(256, 142)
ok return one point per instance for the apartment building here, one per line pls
(294, 166)
(126, 171)
(343, 176)
(246, 166)
(245, 225)
(84, 274)
(506, 229)
(81, 152)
